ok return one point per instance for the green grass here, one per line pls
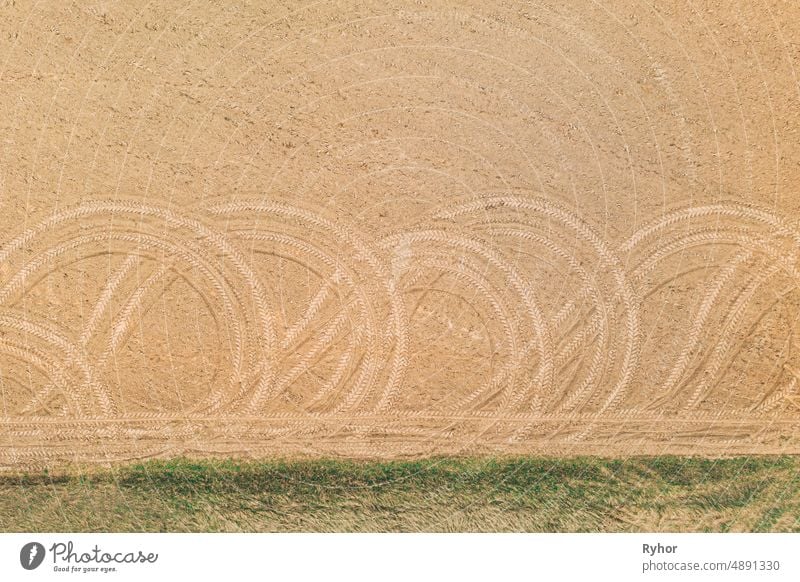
(517, 494)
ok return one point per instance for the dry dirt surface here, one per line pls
(390, 229)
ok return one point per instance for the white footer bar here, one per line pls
(389, 557)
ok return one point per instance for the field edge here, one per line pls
(510, 493)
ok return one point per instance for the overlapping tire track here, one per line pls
(525, 316)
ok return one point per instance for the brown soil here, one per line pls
(395, 229)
